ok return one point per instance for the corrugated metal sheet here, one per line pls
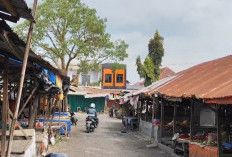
(208, 80)
(155, 86)
(166, 72)
(152, 88)
(92, 92)
(21, 8)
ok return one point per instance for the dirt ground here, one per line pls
(106, 141)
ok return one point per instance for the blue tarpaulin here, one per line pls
(52, 77)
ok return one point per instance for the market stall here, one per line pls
(24, 78)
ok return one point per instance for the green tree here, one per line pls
(68, 31)
(156, 52)
(150, 69)
(146, 70)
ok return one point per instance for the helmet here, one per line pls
(92, 105)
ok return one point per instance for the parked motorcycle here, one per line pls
(111, 112)
(73, 118)
(90, 124)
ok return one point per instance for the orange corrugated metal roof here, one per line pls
(166, 72)
(211, 79)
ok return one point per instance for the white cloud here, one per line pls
(193, 31)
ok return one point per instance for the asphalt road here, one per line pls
(106, 141)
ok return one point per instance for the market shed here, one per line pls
(204, 93)
(26, 81)
(210, 80)
(196, 101)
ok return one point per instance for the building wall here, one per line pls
(114, 84)
(80, 101)
(147, 129)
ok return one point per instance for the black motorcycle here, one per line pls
(90, 124)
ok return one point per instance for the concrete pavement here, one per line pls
(106, 141)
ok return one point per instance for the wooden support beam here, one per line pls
(153, 109)
(146, 103)
(28, 99)
(10, 8)
(21, 82)
(161, 118)
(4, 108)
(174, 118)
(52, 110)
(60, 109)
(10, 45)
(8, 17)
(24, 133)
(191, 119)
(219, 137)
(33, 114)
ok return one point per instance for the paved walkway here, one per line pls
(106, 141)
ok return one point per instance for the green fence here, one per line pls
(80, 101)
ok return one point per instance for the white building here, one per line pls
(84, 79)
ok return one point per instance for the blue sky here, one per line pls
(194, 31)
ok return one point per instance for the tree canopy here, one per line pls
(150, 69)
(156, 52)
(69, 31)
(146, 70)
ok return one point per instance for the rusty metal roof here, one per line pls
(20, 45)
(208, 80)
(91, 92)
(166, 72)
(20, 7)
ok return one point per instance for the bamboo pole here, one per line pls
(4, 109)
(19, 94)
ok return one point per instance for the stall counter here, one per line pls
(196, 150)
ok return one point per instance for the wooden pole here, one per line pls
(11, 116)
(161, 119)
(4, 109)
(146, 110)
(191, 119)
(33, 113)
(174, 119)
(219, 137)
(28, 99)
(153, 109)
(60, 109)
(21, 82)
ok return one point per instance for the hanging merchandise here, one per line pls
(60, 96)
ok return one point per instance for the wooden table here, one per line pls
(182, 145)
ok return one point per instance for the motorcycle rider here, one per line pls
(92, 112)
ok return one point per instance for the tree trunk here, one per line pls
(62, 63)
